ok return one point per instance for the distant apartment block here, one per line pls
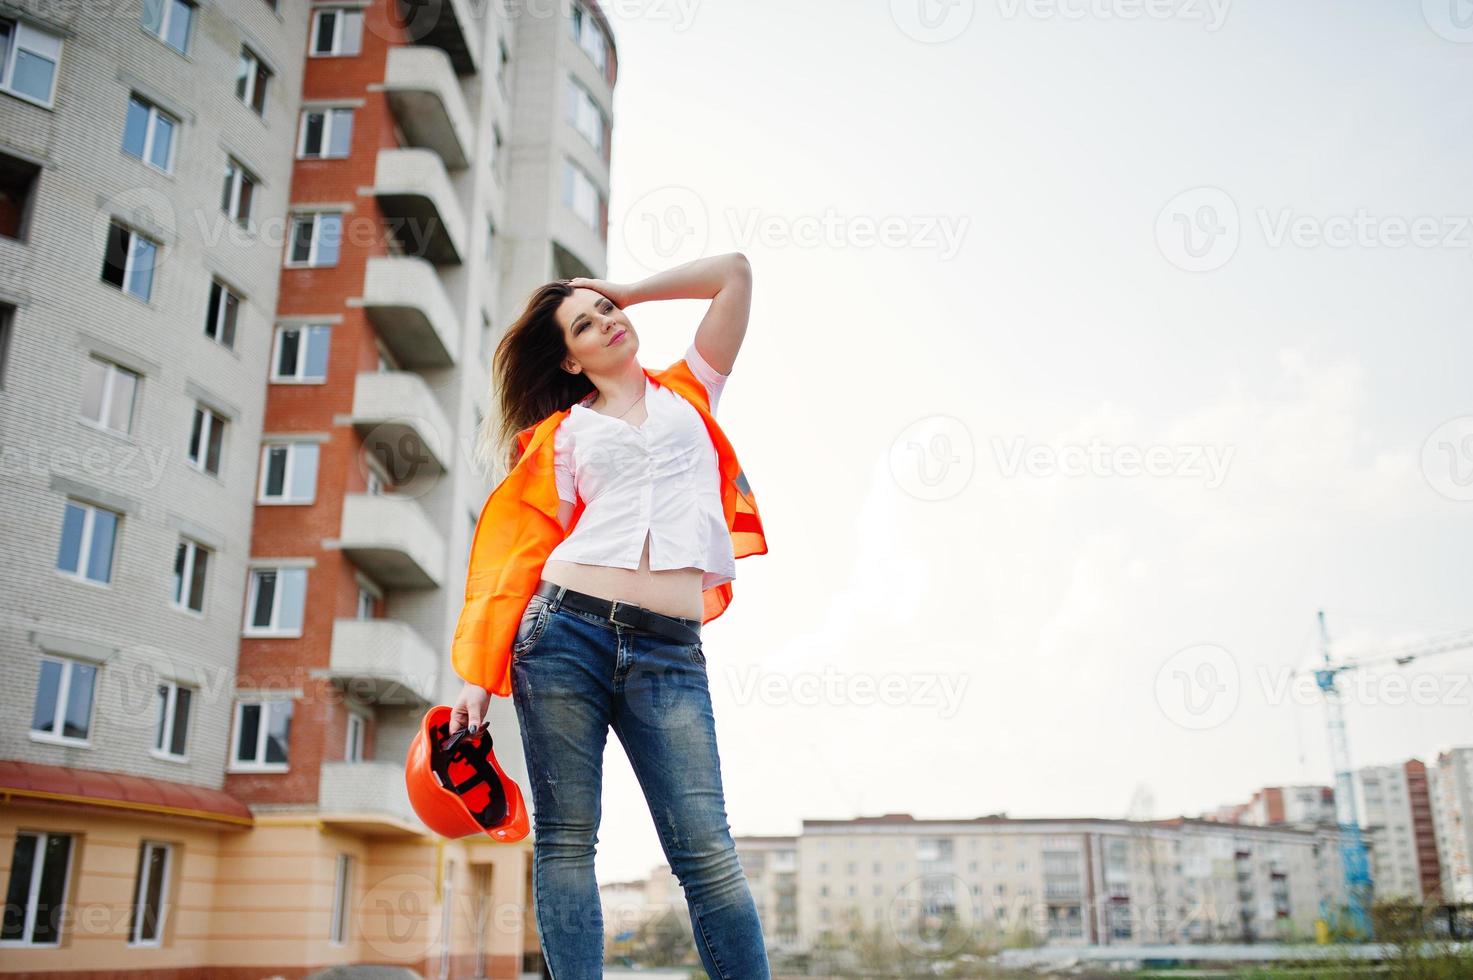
(1451, 793)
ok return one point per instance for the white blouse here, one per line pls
(658, 480)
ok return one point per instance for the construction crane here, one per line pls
(1352, 844)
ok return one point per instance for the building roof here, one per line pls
(119, 792)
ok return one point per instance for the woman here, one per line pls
(651, 512)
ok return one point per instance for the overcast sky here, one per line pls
(1095, 346)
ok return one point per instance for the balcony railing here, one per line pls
(392, 541)
(402, 425)
(383, 661)
(367, 798)
(425, 97)
(415, 195)
(408, 306)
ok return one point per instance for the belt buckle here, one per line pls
(614, 611)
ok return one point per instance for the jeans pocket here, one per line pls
(697, 654)
(534, 620)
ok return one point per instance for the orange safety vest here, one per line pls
(518, 529)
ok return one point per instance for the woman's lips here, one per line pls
(617, 337)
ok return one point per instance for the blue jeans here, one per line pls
(573, 676)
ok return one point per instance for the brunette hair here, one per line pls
(528, 382)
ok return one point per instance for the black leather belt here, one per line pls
(622, 613)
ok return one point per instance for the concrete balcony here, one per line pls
(408, 306)
(415, 195)
(391, 540)
(447, 25)
(425, 97)
(382, 661)
(367, 798)
(402, 425)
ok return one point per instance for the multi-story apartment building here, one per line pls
(1293, 806)
(1451, 791)
(1395, 815)
(1079, 881)
(254, 257)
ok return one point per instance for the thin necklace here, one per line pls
(631, 405)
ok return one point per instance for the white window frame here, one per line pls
(197, 456)
(328, 114)
(166, 21)
(251, 591)
(192, 550)
(366, 599)
(168, 721)
(84, 547)
(130, 260)
(63, 697)
(263, 730)
(292, 448)
(356, 730)
(146, 849)
(339, 34)
(109, 381)
(590, 37)
(495, 152)
(337, 932)
(314, 257)
(576, 179)
(33, 892)
(236, 177)
(585, 114)
(227, 295)
(255, 67)
(38, 43)
(308, 331)
(150, 129)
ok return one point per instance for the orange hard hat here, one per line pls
(457, 786)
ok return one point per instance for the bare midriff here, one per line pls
(673, 591)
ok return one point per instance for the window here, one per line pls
(191, 561)
(589, 37)
(495, 161)
(150, 894)
(205, 437)
(64, 698)
(221, 314)
(171, 736)
(168, 20)
(129, 261)
(490, 241)
(289, 473)
(580, 194)
(365, 603)
(148, 133)
(326, 133)
(17, 186)
(108, 394)
(585, 115)
(275, 601)
(301, 353)
(338, 933)
(251, 80)
(504, 56)
(262, 731)
(353, 751)
(28, 59)
(337, 31)
(7, 318)
(314, 239)
(238, 193)
(35, 898)
(88, 535)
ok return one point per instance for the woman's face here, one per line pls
(599, 335)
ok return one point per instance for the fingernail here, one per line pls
(473, 728)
